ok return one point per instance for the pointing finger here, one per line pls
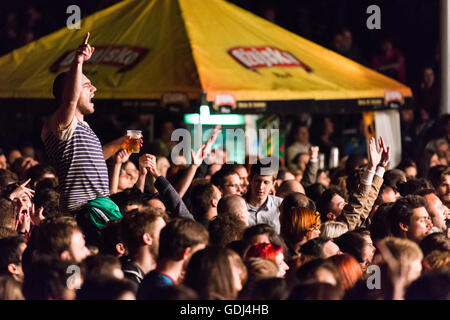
(86, 38)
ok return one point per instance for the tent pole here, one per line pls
(445, 51)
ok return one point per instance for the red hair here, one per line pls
(264, 250)
(349, 269)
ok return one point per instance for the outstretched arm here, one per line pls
(73, 85)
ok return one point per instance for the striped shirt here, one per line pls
(77, 156)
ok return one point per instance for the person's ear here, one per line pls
(331, 216)
(12, 268)
(65, 255)
(120, 248)
(214, 203)
(147, 239)
(187, 253)
(403, 226)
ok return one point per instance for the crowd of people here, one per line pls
(90, 224)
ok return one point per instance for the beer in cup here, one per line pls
(133, 142)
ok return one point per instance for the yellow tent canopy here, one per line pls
(174, 49)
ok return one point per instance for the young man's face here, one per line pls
(337, 204)
(261, 186)
(419, 226)
(78, 250)
(243, 175)
(443, 189)
(437, 211)
(85, 104)
(232, 185)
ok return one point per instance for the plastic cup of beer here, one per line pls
(133, 144)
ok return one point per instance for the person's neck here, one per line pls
(144, 260)
(212, 212)
(171, 268)
(257, 202)
(79, 115)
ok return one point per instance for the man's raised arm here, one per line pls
(72, 85)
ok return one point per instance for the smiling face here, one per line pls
(85, 104)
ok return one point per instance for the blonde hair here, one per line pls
(403, 246)
(333, 229)
(438, 260)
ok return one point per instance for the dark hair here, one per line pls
(402, 211)
(352, 243)
(201, 196)
(135, 224)
(225, 229)
(101, 265)
(413, 185)
(10, 252)
(314, 247)
(434, 241)
(323, 205)
(430, 286)
(35, 173)
(110, 235)
(381, 222)
(128, 197)
(7, 213)
(209, 272)
(49, 199)
(308, 270)
(7, 177)
(297, 199)
(258, 229)
(406, 164)
(178, 235)
(437, 174)
(354, 161)
(316, 291)
(58, 86)
(393, 178)
(46, 278)
(104, 288)
(218, 178)
(423, 163)
(270, 289)
(238, 246)
(315, 191)
(264, 165)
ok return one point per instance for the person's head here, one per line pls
(270, 289)
(427, 160)
(128, 176)
(242, 173)
(412, 186)
(289, 186)
(299, 225)
(354, 244)
(48, 199)
(314, 191)
(238, 268)
(333, 229)
(84, 104)
(47, 278)
(7, 214)
(162, 164)
(440, 178)
(204, 200)
(59, 237)
(428, 77)
(301, 160)
(410, 251)
(349, 269)
(269, 251)
(296, 199)
(410, 219)
(381, 225)
(259, 233)
(40, 172)
(234, 205)
(316, 291)
(302, 134)
(111, 241)
(436, 209)
(430, 286)
(180, 239)
(262, 178)
(330, 204)
(141, 229)
(10, 288)
(11, 251)
(437, 260)
(355, 161)
(103, 265)
(260, 268)
(226, 228)
(7, 177)
(106, 288)
(320, 248)
(319, 270)
(409, 167)
(210, 273)
(228, 182)
(129, 199)
(435, 241)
